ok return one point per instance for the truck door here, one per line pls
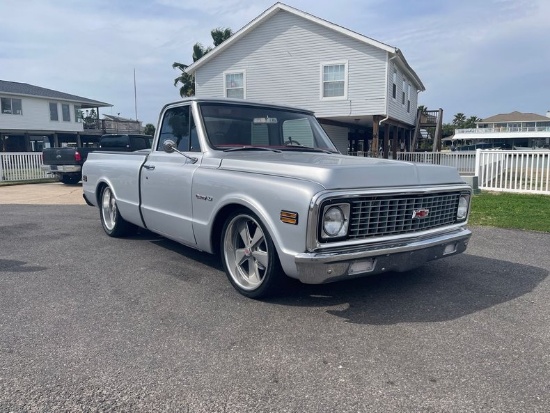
(166, 178)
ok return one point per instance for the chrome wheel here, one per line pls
(247, 252)
(109, 210)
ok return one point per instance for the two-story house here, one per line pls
(33, 116)
(359, 88)
(507, 131)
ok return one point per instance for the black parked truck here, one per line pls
(66, 163)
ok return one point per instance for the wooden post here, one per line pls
(27, 141)
(387, 129)
(375, 135)
(395, 138)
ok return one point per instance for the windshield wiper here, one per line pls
(302, 148)
(251, 148)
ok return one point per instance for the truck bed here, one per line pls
(119, 170)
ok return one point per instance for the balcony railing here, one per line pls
(503, 129)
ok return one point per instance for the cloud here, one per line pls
(475, 57)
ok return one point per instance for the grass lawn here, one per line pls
(506, 210)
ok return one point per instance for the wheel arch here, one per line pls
(229, 208)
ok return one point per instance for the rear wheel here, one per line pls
(249, 256)
(113, 224)
(70, 179)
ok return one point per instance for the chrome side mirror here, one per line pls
(169, 146)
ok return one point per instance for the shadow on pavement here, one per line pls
(438, 291)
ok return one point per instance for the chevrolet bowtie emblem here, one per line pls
(420, 213)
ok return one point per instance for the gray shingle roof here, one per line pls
(516, 117)
(15, 88)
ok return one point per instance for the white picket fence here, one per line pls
(514, 171)
(465, 161)
(21, 166)
(496, 170)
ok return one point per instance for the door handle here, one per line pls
(149, 167)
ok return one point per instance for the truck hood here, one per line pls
(335, 171)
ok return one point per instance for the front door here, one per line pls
(167, 178)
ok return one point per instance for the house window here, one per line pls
(394, 88)
(403, 92)
(409, 98)
(234, 85)
(78, 114)
(53, 111)
(11, 106)
(66, 112)
(334, 80)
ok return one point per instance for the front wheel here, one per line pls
(113, 224)
(249, 256)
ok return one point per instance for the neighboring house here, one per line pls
(33, 116)
(359, 88)
(509, 130)
(117, 124)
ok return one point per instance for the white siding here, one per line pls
(339, 136)
(36, 116)
(396, 109)
(282, 58)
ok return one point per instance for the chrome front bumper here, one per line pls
(325, 266)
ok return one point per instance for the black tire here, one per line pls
(249, 256)
(111, 220)
(70, 179)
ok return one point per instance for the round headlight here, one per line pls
(463, 203)
(333, 221)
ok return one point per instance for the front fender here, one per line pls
(265, 196)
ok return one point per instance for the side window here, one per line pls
(176, 126)
(298, 131)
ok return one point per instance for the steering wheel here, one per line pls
(292, 142)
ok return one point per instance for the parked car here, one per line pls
(66, 163)
(264, 187)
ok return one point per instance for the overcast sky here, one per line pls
(478, 57)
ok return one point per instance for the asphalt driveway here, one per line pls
(92, 323)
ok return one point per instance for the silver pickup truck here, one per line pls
(264, 187)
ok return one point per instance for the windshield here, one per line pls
(238, 126)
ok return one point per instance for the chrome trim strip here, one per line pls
(321, 267)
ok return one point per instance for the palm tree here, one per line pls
(471, 122)
(187, 81)
(459, 120)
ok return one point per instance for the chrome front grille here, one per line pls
(383, 215)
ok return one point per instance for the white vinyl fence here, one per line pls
(464, 161)
(21, 166)
(514, 171)
(497, 170)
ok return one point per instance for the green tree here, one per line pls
(187, 81)
(149, 129)
(459, 120)
(470, 123)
